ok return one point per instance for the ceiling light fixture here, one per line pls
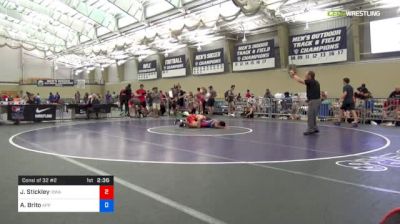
(199, 47)
(215, 28)
(244, 40)
(78, 71)
(307, 27)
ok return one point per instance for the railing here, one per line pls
(369, 110)
(374, 109)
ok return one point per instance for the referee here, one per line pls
(313, 99)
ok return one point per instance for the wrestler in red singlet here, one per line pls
(191, 119)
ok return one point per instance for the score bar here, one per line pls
(66, 194)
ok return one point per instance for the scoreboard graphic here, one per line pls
(66, 194)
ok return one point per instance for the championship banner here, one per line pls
(209, 62)
(319, 47)
(147, 70)
(254, 56)
(55, 82)
(174, 67)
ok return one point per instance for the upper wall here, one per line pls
(34, 67)
(381, 77)
(10, 66)
(18, 64)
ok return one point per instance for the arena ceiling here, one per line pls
(90, 33)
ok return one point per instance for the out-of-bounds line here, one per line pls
(157, 197)
(229, 161)
(327, 179)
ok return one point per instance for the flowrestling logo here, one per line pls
(358, 13)
(375, 163)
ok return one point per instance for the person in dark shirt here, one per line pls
(362, 92)
(230, 98)
(51, 98)
(127, 98)
(93, 106)
(180, 98)
(108, 97)
(395, 94)
(393, 105)
(37, 99)
(57, 98)
(86, 98)
(268, 94)
(348, 103)
(313, 99)
(212, 94)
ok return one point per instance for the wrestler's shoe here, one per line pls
(178, 122)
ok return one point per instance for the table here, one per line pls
(96, 108)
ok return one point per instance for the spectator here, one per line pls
(51, 98)
(392, 105)
(163, 102)
(57, 98)
(86, 98)
(4, 97)
(348, 103)
(141, 94)
(238, 97)
(295, 107)
(29, 98)
(149, 101)
(122, 97)
(286, 103)
(248, 94)
(172, 98)
(37, 99)
(191, 103)
(250, 109)
(16, 99)
(212, 94)
(230, 98)
(268, 94)
(180, 97)
(108, 98)
(128, 96)
(251, 100)
(93, 106)
(324, 95)
(114, 97)
(156, 102)
(395, 94)
(362, 92)
(77, 97)
(200, 99)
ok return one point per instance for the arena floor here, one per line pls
(255, 171)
